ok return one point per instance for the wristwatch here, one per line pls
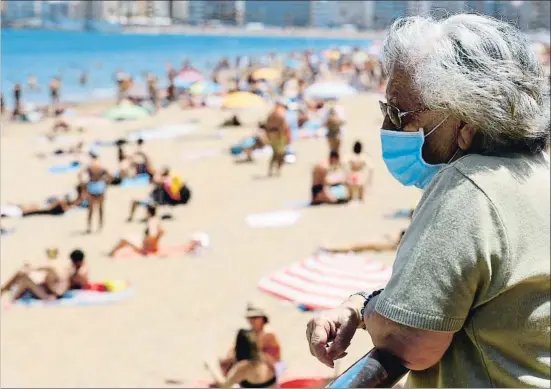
(368, 298)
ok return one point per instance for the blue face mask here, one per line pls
(403, 156)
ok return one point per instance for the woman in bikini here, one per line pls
(53, 206)
(360, 174)
(267, 341)
(98, 177)
(49, 282)
(278, 135)
(251, 369)
(152, 235)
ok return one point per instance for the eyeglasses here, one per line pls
(394, 114)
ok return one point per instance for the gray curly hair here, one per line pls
(481, 70)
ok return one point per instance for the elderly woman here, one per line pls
(467, 120)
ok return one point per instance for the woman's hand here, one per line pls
(330, 334)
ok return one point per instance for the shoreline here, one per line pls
(234, 31)
(266, 32)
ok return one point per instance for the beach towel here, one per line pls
(69, 167)
(10, 211)
(135, 182)
(339, 191)
(324, 280)
(164, 252)
(165, 132)
(79, 298)
(273, 219)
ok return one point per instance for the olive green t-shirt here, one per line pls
(475, 261)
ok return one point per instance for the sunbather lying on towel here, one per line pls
(50, 281)
(390, 245)
(75, 150)
(54, 206)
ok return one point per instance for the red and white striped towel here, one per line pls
(325, 280)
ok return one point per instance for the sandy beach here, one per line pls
(186, 308)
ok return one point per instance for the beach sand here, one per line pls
(186, 309)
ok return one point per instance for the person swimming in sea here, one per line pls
(96, 186)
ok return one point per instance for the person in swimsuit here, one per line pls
(391, 244)
(51, 281)
(98, 177)
(83, 78)
(153, 91)
(53, 206)
(55, 86)
(2, 104)
(278, 134)
(334, 123)
(141, 161)
(32, 83)
(18, 107)
(360, 174)
(267, 341)
(151, 238)
(161, 194)
(251, 368)
(324, 176)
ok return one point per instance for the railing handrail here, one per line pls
(376, 369)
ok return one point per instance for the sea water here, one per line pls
(49, 53)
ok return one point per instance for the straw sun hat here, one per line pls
(253, 312)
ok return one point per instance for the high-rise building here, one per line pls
(322, 13)
(278, 13)
(385, 12)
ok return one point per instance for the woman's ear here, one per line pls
(465, 136)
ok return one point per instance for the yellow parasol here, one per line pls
(266, 74)
(240, 100)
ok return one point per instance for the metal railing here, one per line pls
(376, 369)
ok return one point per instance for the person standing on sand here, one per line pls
(96, 186)
(359, 174)
(468, 302)
(278, 134)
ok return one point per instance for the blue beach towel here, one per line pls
(135, 182)
(65, 168)
(245, 144)
(79, 298)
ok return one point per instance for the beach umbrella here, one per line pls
(126, 112)
(324, 280)
(187, 78)
(266, 74)
(329, 90)
(243, 100)
(205, 88)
